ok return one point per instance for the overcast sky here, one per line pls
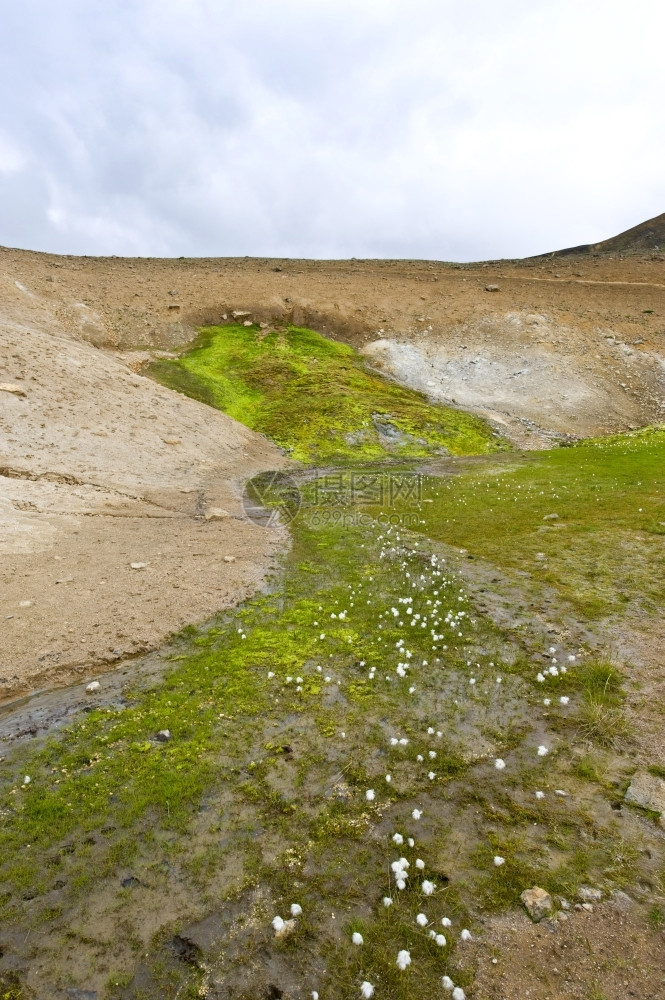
(329, 128)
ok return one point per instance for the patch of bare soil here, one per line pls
(611, 953)
(120, 506)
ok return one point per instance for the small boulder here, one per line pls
(537, 903)
(93, 687)
(164, 735)
(491, 288)
(229, 559)
(216, 514)
(648, 792)
(588, 895)
(13, 388)
(137, 565)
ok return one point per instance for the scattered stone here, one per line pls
(216, 514)
(172, 440)
(588, 895)
(25, 604)
(491, 288)
(93, 687)
(239, 313)
(138, 565)
(247, 322)
(537, 903)
(648, 792)
(621, 900)
(164, 735)
(551, 517)
(229, 559)
(16, 390)
(130, 882)
(588, 907)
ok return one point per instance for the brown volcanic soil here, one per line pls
(100, 467)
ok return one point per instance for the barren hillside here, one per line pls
(101, 468)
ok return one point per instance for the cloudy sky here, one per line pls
(445, 129)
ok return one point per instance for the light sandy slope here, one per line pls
(101, 468)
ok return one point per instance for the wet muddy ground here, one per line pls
(370, 743)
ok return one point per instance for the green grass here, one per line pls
(603, 551)
(316, 398)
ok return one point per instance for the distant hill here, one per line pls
(646, 237)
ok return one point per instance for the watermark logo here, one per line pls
(334, 498)
(272, 497)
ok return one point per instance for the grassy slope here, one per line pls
(316, 398)
(605, 549)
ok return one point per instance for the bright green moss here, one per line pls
(316, 398)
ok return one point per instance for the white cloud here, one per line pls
(426, 128)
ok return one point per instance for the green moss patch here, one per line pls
(317, 398)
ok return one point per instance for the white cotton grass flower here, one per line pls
(357, 938)
(387, 901)
(498, 860)
(422, 920)
(417, 813)
(400, 883)
(369, 794)
(315, 995)
(431, 775)
(366, 990)
(547, 702)
(540, 678)
(447, 983)
(428, 887)
(499, 764)
(542, 751)
(420, 758)
(296, 909)
(278, 924)
(398, 839)
(403, 959)
(564, 699)
(389, 778)
(540, 795)
(459, 994)
(446, 922)
(465, 935)
(440, 940)
(411, 842)
(27, 779)
(420, 863)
